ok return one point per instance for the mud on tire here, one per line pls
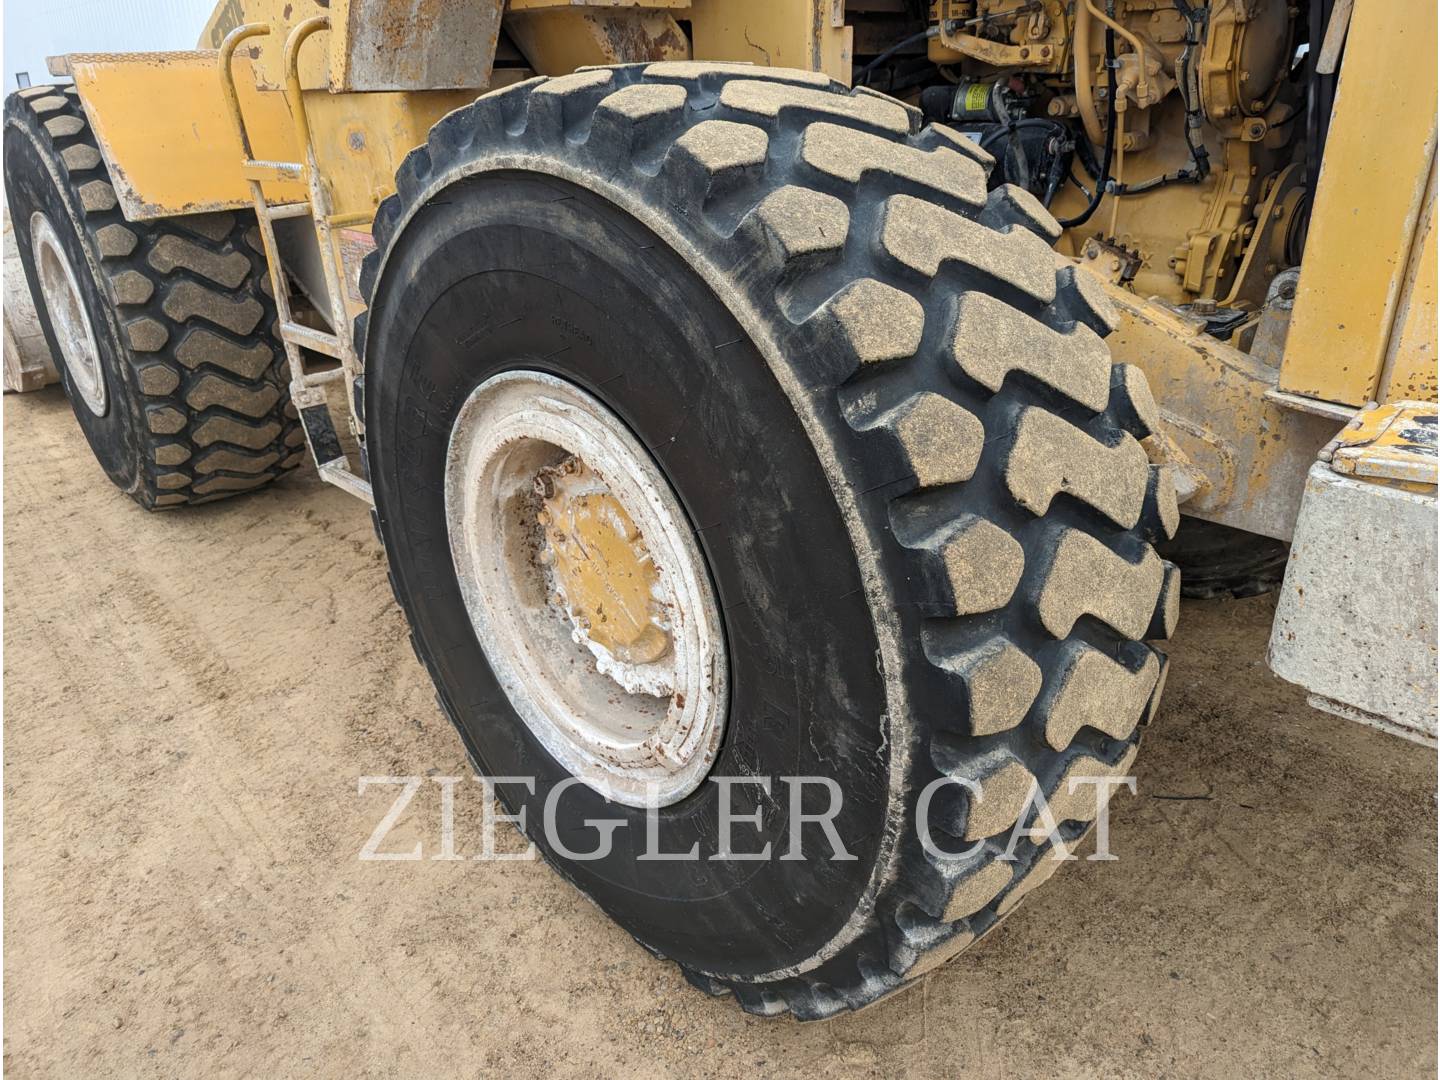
(180, 311)
(976, 451)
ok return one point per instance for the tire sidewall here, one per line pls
(605, 304)
(31, 186)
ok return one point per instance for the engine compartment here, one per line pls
(1177, 141)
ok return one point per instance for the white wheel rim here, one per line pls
(637, 748)
(61, 290)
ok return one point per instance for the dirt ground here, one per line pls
(190, 699)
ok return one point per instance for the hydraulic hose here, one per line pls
(1108, 155)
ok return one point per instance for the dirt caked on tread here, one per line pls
(182, 313)
(951, 372)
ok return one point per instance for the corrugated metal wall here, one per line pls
(35, 29)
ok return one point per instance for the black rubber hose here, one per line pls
(1109, 155)
(1006, 130)
(863, 74)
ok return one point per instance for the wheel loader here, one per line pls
(752, 393)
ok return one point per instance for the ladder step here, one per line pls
(280, 211)
(322, 378)
(321, 342)
(272, 170)
(338, 472)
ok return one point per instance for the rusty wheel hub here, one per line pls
(586, 588)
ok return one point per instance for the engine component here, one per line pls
(1194, 100)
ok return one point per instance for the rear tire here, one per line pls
(163, 330)
(1217, 561)
(914, 475)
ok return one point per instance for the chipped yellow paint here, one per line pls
(609, 582)
(774, 34)
(361, 139)
(1394, 442)
(1410, 367)
(167, 161)
(1250, 453)
(1368, 205)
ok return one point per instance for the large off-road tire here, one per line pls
(164, 331)
(887, 411)
(1218, 561)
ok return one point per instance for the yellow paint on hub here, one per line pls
(608, 580)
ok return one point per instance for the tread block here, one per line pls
(1131, 403)
(214, 227)
(63, 127)
(982, 562)
(769, 99)
(189, 299)
(211, 390)
(1092, 690)
(202, 347)
(1010, 206)
(627, 121)
(43, 106)
(923, 237)
(1003, 795)
(131, 287)
(1042, 871)
(97, 196)
(941, 440)
(720, 154)
(173, 252)
(80, 158)
(213, 484)
(1082, 298)
(1081, 803)
(644, 101)
(234, 461)
(226, 429)
(797, 221)
(171, 499)
(975, 891)
(1050, 455)
(849, 155)
(991, 339)
(575, 82)
(1001, 684)
(1084, 577)
(171, 480)
(941, 135)
(146, 334)
(164, 419)
(876, 321)
(941, 954)
(569, 99)
(115, 241)
(171, 454)
(1167, 608)
(157, 379)
(1161, 517)
(1151, 706)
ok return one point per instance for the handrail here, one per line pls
(227, 76)
(293, 91)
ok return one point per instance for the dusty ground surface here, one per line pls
(183, 895)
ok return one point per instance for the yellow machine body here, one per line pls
(1245, 417)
